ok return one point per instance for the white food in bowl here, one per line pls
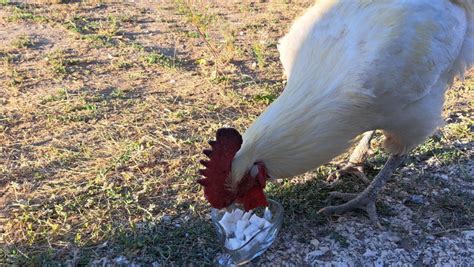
(240, 226)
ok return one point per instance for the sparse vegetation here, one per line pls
(258, 51)
(23, 41)
(160, 59)
(16, 78)
(101, 130)
(23, 12)
(60, 95)
(99, 32)
(81, 25)
(122, 63)
(58, 62)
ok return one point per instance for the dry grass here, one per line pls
(104, 109)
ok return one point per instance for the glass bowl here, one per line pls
(256, 245)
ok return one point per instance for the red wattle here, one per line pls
(254, 198)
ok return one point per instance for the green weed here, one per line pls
(61, 94)
(258, 51)
(23, 41)
(160, 59)
(22, 12)
(269, 94)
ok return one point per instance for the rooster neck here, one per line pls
(296, 135)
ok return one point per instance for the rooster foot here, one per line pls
(351, 169)
(355, 201)
(366, 199)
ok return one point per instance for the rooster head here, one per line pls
(217, 181)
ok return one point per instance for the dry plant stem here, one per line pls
(203, 37)
(366, 199)
(211, 48)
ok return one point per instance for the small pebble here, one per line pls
(315, 242)
(324, 249)
(316, 253)
(417, 199)
(444, 177)
(369, 253)
(469, 234)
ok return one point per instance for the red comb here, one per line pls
(218, 168)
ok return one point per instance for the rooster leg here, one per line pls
(355, 166)
(366, 199)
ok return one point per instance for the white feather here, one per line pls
(355, 66)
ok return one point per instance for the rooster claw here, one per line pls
(366, 199)
(355, 201)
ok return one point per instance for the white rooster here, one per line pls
(353, 66)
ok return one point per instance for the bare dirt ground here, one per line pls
(105, 107)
